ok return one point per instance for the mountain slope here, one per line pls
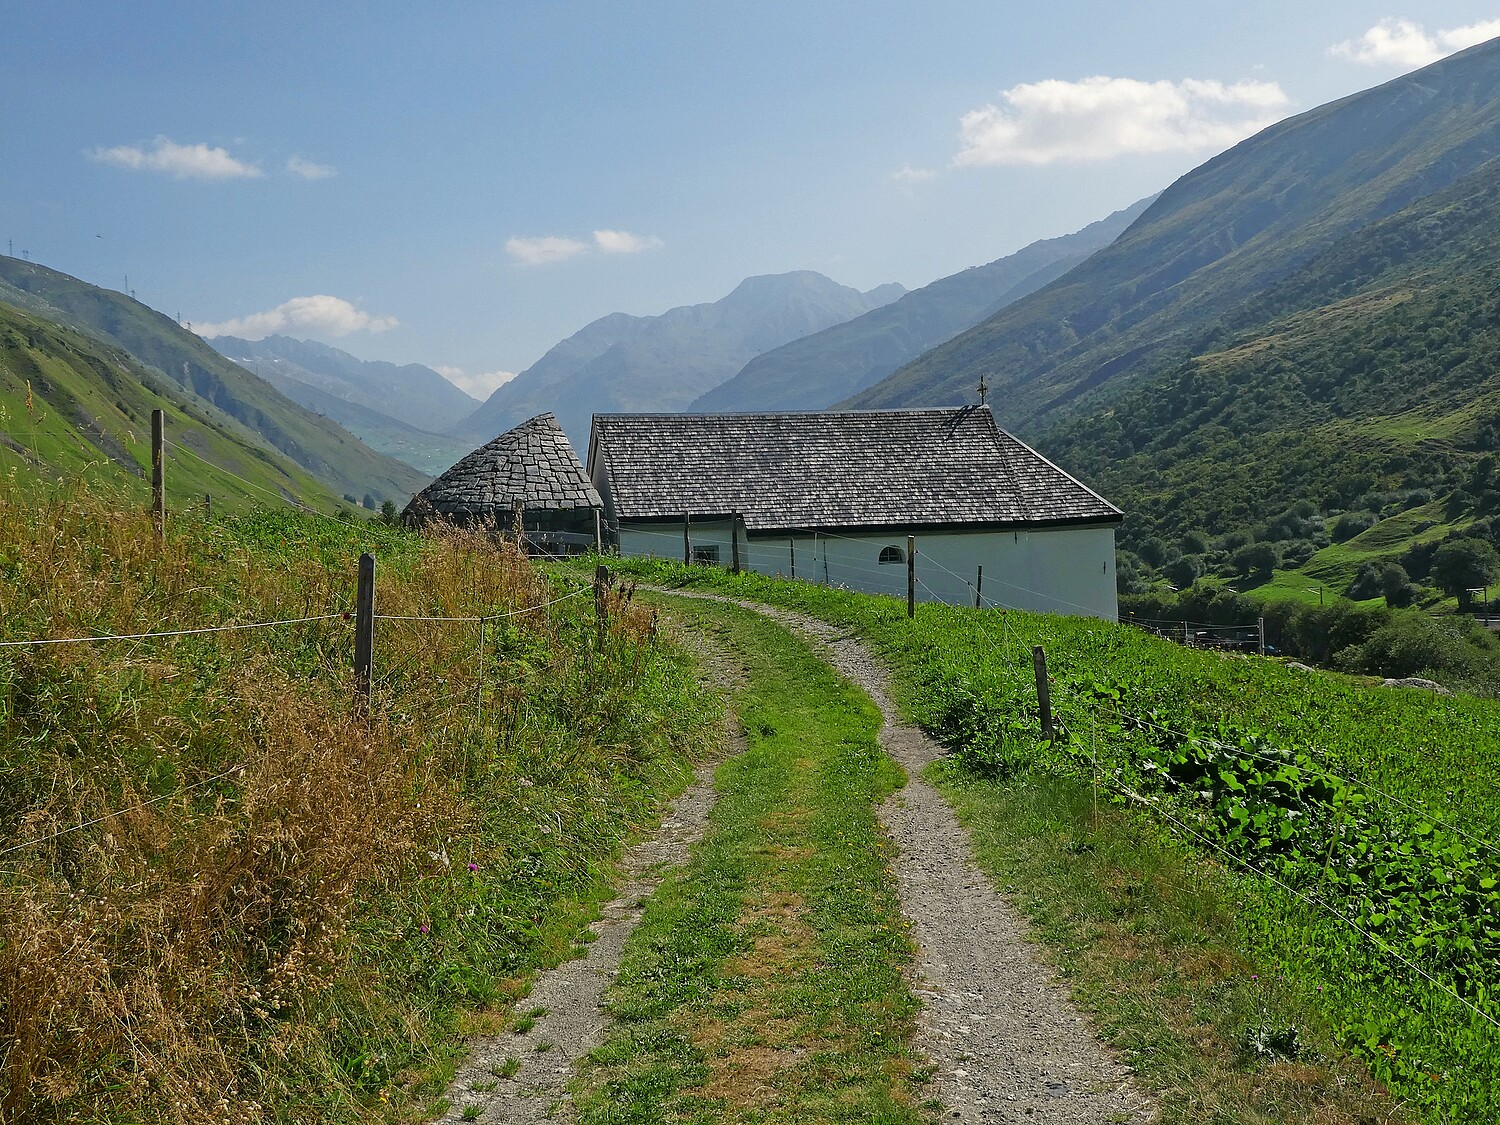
(818, 370)
(1367, 382)
(337, 391)
(410, 393)
(662, 363)
(75, 409)
(323, 448)
(1245, 220)
(426, 452)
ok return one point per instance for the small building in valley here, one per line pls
(832, 496)
(531, 469)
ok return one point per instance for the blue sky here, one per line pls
(463, 185)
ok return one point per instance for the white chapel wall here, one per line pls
(1069, 570)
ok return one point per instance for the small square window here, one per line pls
(708, 556)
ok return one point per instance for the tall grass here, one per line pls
(226, 892)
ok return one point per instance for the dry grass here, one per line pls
(198, 837)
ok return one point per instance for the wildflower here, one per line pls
(473, 867)
(424, 927)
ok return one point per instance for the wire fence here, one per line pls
(1100, 708)
(233, 627)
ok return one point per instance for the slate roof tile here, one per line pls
(858, 468)
(533, 463)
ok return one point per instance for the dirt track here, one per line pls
(1007, 1043)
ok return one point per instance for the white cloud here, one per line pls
(309, 170)
(1458, 38)
(480, 385)
(182, 162)
(1099, 118)
(320, 315)
(623, 242)
(906, 174)
(539, 251)
(1403, 44)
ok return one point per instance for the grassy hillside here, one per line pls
(228, 894)
(1218, 237)
(76, 410)
(322, 447)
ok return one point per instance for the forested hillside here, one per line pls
(1364, 385)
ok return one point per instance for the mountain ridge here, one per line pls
(259, 411)
(1226, 230)
(820, 369)
(410, 392)
(661, 363)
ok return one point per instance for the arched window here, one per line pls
(892, 555)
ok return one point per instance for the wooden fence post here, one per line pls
(911, 576)
(979, 587)
(518, 524)
(791, 546)
(1043, 690)
(734, 541)
(598, 533)
(1260, 623)
(364, 628)
(208, 507)
(480, 677)
(158, 475)
(601, 601)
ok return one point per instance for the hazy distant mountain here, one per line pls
(410, 393)
(1219, 236)
(818, 370)
(663, 363)
(321, 446)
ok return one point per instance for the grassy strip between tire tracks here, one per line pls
(765, 983)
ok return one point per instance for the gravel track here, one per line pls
(1007, 1043)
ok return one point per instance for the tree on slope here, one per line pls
(1461, 565)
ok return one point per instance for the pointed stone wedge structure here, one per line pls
(532, 465)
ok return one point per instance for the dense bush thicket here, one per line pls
(1371, 639)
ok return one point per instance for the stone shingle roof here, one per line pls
(533, 463)
(835, 469)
